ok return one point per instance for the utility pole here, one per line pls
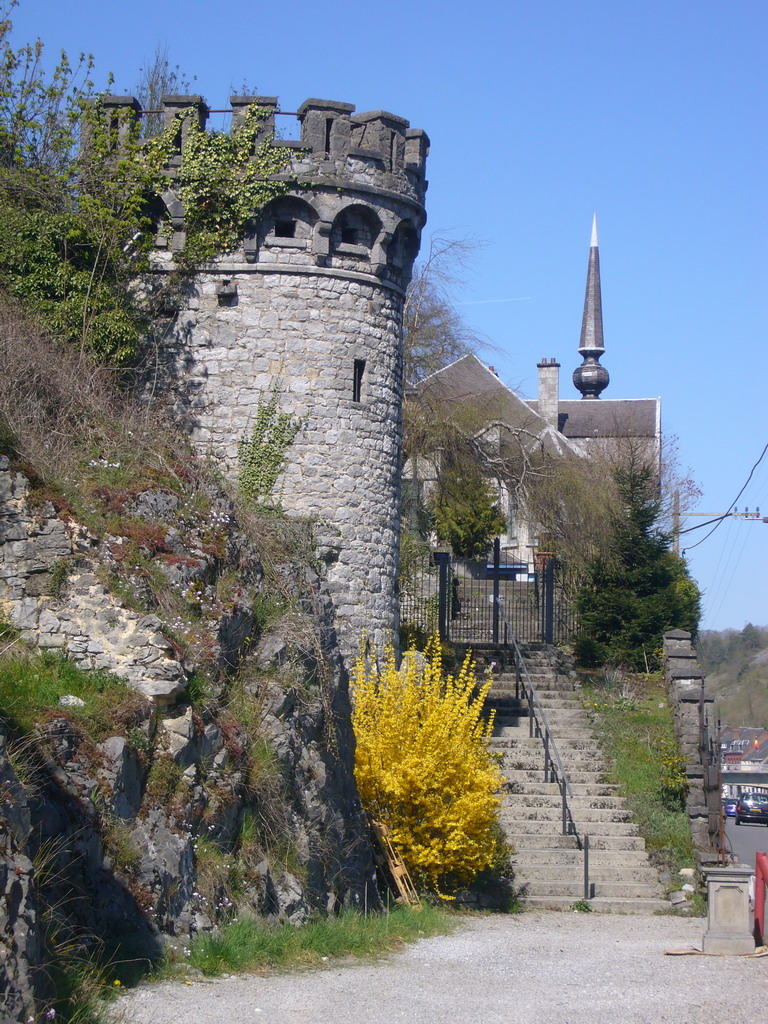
(755, 516)
(676, 524)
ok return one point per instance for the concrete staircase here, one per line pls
(549, 867)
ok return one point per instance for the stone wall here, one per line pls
(697, 739)
(304, 334)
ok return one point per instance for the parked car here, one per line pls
(752, 807)
(729, 807)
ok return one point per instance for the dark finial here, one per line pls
(591, 378)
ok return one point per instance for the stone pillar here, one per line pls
(693, 710)
(728, 919)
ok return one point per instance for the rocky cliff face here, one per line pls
(222, 780)
(21, 947)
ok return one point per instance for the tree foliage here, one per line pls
(434, 331)
(80, 198)
(447, 444)
(736, 664)
(636, 589)
(465, 511)
(38, 111)
(574, 502)
(158, 78)
(423, 768)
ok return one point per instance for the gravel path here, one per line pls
(555, 968)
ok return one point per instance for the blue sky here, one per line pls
(539, 112)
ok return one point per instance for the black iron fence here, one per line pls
(487, 600)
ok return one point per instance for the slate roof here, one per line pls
(469, 383)
(608, 417)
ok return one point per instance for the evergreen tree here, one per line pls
(465, 511)
(637, 589)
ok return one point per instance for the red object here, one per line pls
(761, 880)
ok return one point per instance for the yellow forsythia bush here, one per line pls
(423, 768)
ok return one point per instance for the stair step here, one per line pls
(565, 859)
(580, 789)
(574, 889)
(599, 874)
(517, 759)
(516, 769)
(583, 816)
(513, 749)
(603, 905)
(514, 827)
(546, 841)
(536, 773)
(559, 699)
(517, 738)
(518, 801)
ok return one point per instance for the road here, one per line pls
(746, 840)
(554, 968)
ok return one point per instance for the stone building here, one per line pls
(311, 306)
(606, 426)
(511, 425)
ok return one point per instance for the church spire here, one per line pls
(591, 378)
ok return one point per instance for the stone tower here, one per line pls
(312, 304)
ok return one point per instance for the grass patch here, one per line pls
(634, 726)
(118, 842)
(80, 993)
(251, 945)
(220, 878)
(271, 831)
(164, 780)
(32, 682)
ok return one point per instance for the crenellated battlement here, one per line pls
(356, 187)
(373, 147)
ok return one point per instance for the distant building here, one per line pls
(512, 425)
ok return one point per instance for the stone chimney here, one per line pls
(549, 391)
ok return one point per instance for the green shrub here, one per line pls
(163, 781)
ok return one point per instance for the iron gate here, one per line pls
(476, 601)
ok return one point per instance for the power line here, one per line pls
(725, 584)
(719, 519)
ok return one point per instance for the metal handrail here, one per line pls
(553, 764)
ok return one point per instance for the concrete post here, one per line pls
(728, 924)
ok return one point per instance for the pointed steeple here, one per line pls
(591, 378)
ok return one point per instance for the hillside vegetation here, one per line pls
(736, 664)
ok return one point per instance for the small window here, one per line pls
(357, 380)
(285, 228)
(348, 235)
(328, 127)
